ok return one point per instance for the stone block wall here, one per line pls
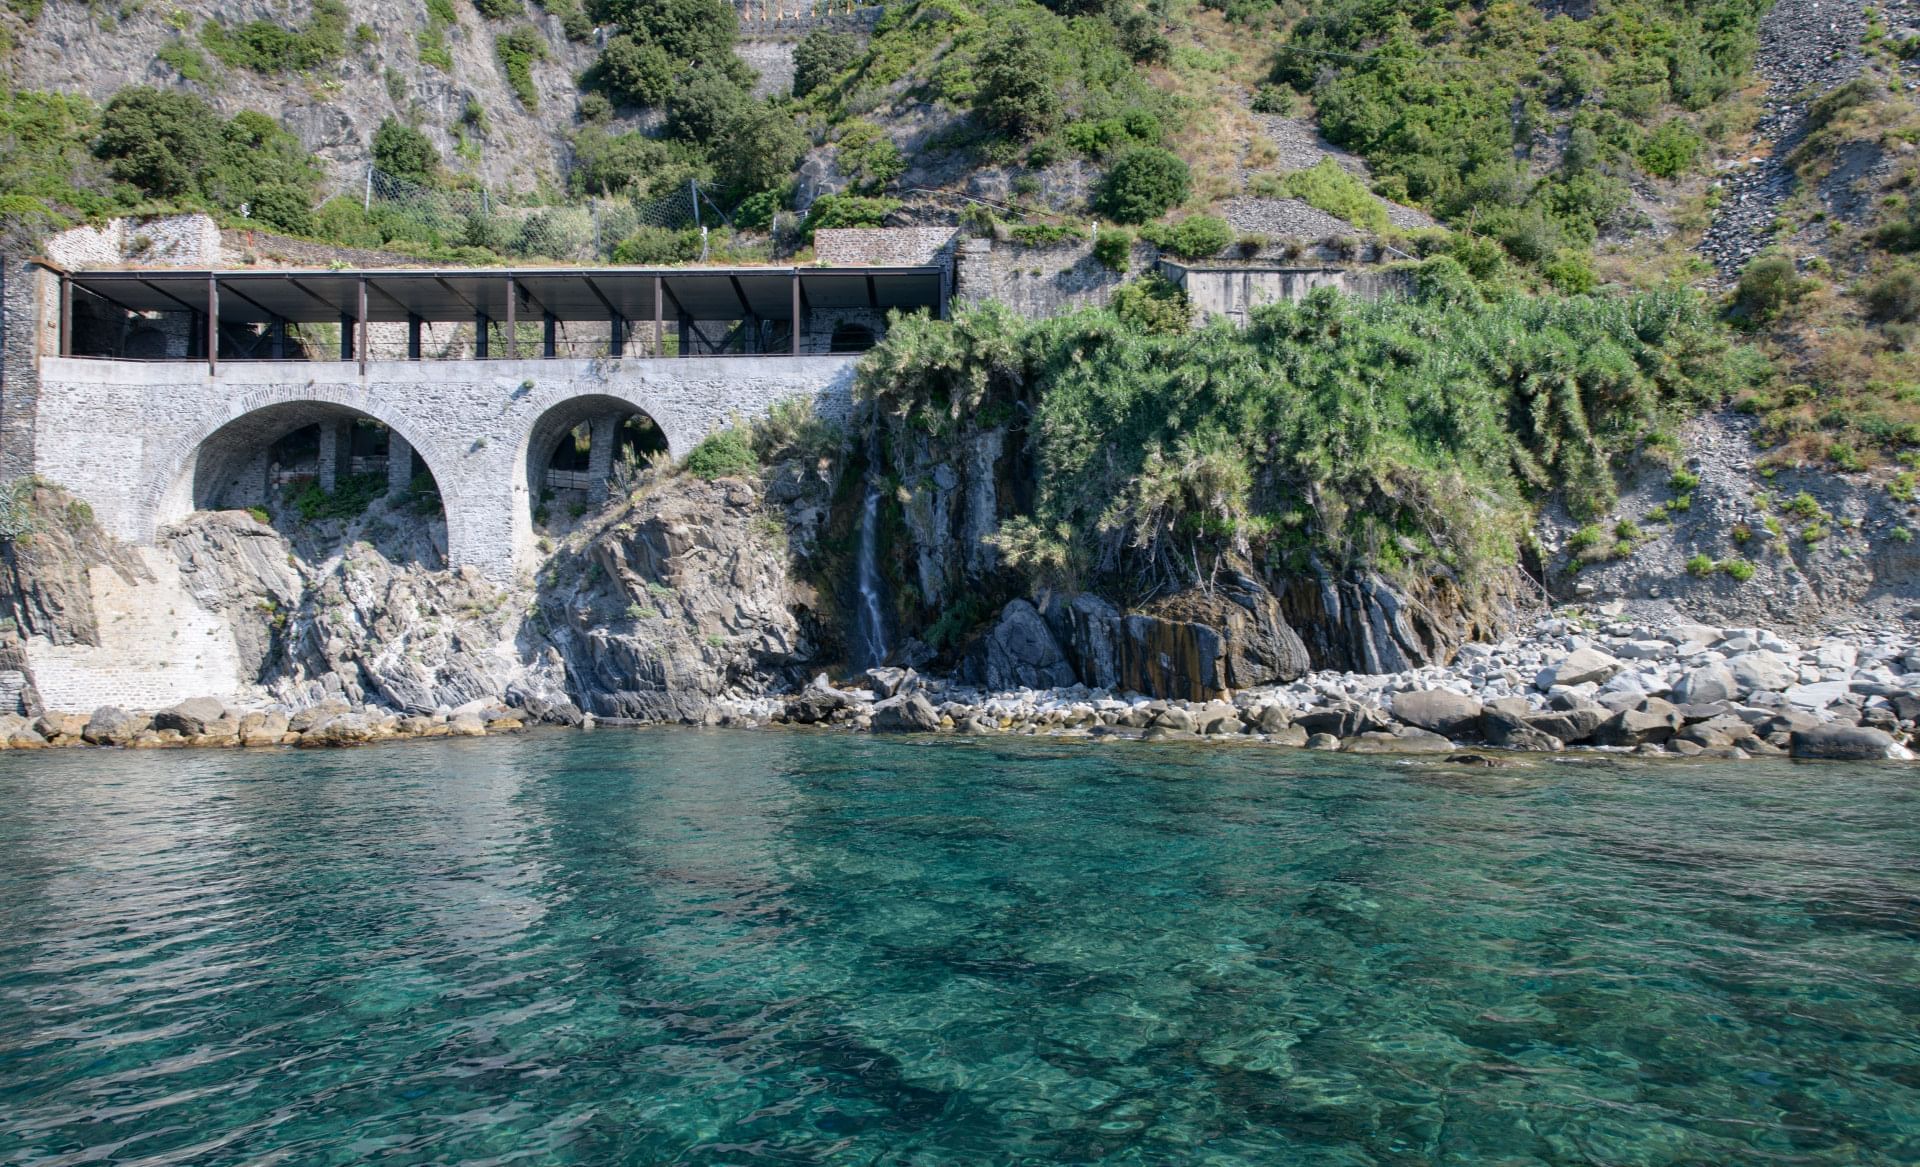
(129, 437)
(885, 246)
(1038, 282)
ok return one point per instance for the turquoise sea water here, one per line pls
(687, 947)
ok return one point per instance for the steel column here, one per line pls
(550, 338)
(360, 326)
(413, 336)
(659, 317)
(513, 319)
(346, 337)
(794, 327)
(213, 323)
(480, 323)
(66, 316)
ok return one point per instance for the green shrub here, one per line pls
(822, 55)
(267, 47)
(868, 158)
(1683, 481)
(1769, 285)
(259, 515)
(1044, 234)
(1016, 94)
(350, 497)
(1113, 246)
(185, 60)
(1672, 149)
(1194, 237)
(1740, 569)
(1330, 187)
(499, 9)
(635, 71)
(722, 454)
(1152, 305)
(652, 246)
(517, 51)
(1143, 183)
(1894, 296)
(847, 211)
(1700, 565)
(405, 152)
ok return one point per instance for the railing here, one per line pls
(571, 480)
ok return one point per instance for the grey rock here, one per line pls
(1439, 710)
(1407, 741)
(1019, 652)
(111, 725)
(1569, 726)
(1761, 670)
(1343, 719)
(1321, 741)
(1848, 743)
(911, 713)
(1713, 682)
(191, 717)
(1579, 667)
(1289, 735)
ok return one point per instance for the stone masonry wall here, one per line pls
(885, 246)
(126, 436)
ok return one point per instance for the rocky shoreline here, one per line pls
(1685, 690)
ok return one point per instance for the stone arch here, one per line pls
(224, 462)
(610, 423)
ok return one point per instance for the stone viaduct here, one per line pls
(476, 376)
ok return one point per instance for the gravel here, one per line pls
(1806, 48)
(1283, 219)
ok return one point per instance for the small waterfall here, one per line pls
(870, 630)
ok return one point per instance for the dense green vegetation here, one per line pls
(268, 47)
(1399, 434)
(1454, 103)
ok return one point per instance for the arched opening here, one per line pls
(851, 338)
(582, 444)
(311, 462)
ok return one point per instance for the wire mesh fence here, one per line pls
(585, 231)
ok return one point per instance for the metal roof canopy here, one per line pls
(459, 294)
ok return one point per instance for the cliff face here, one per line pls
(97, 50)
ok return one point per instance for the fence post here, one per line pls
(693, 189)
(366, 200)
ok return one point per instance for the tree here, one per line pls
(762, 146)
(159, 142)
(405, 152)
(1143, 183)
(703, 107)
(689, 30)
(821, 56)
(635, 72)
(1017, 95)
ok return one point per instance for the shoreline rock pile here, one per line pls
(1689, 690)
(207, 722)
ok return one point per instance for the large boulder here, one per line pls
(111, 725)
(1568, 725)
(1439, 710)
(1762, 671)
(1019, 652)
(1653, 721)
(1849, 743)
(1343, 719)
(1408, 740)
(910, 713)
(1705, 685)
(191, 717)
(341, 729)
(1579, 667)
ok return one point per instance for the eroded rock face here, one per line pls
(1195, 645)
(1018, 652)
(685, 597)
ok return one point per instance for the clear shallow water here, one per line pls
(752, 948)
